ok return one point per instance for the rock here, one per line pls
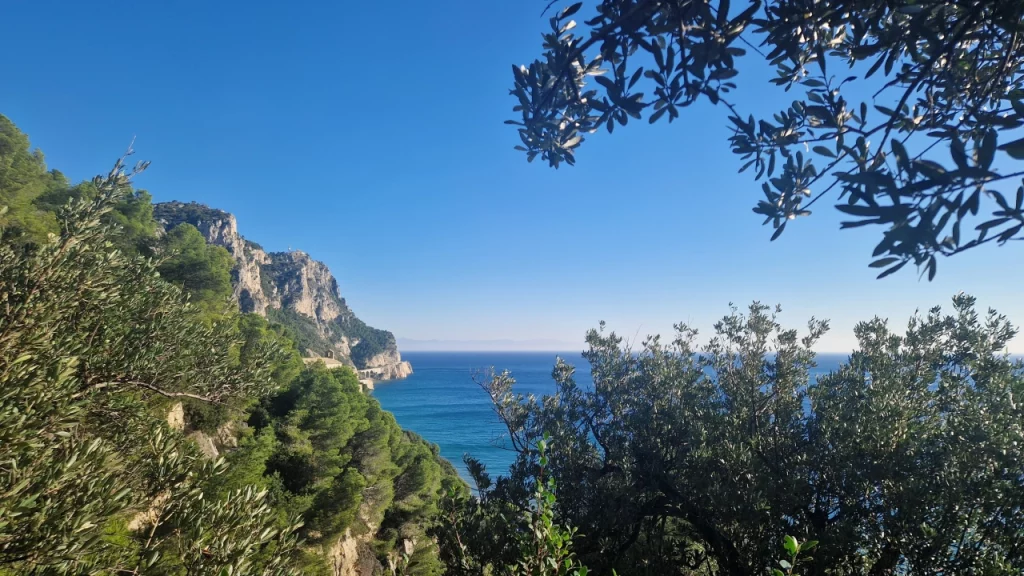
(367, 383)
(176, 417)
(224, 440)
(227, 435)
(388, 372)
(205, 443)
(344, 555)
(387, 365)
(353, 556)
(150, 515)
(291, 288)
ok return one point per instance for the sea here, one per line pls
(443, 402)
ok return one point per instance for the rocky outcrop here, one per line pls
(213, 445)
(176, 417)
(353, 556)
(294, 289)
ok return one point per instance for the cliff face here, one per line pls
(295, 290)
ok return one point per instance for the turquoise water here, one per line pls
(441, 402)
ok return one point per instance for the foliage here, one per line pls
(174, 213)
(132, 229)
(372, 341)
(302, 329)
(916, 157)
(258, 334)
(328, 452)
(793, 548)
(23, 179)
(97, 340)
(34, 196)
(536, 546)
(691, 460)
(89, 338)
(201, 270)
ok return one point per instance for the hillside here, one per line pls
(294, 290)
(151, 425)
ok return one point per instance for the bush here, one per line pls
(680, 459)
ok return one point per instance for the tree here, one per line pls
(916, 158)
(202, 270)
(535, 546)
(133, 229)
(23, 179)
(687, 459)
(93, 481)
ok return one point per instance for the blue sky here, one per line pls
(370, 135)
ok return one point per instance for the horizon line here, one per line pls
(573, 351)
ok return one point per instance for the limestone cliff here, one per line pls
(295, 290)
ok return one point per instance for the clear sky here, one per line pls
(370, 135)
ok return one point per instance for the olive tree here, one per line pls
(907, 112)
(700, 459)
(92, 345)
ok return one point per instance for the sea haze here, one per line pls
(442, 402)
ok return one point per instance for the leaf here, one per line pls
(956, 148)
(855, 210)
(785, 564)
(723, 74)
(570, 10)
(791, 545)
(636, 76)
(987, 150)
(778, 232)
(883, 262)
(1015, 149)
(824, 151)
(892, 270)
(900, 152)
(608, 84)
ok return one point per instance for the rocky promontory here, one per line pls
(295, 290)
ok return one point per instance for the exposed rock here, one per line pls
(225, 439)
(296, 290)
(388, 371)
(176, 417)
(150, 515)
(352, 556)
(227, 435)
(387, 365)
(205, 443)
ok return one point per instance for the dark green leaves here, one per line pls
(1014, 149)
(944, 86)
(937, 387)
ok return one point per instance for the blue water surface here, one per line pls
(441, 401)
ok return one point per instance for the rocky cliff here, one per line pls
(295, 290)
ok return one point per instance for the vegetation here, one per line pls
(724, 458)
(371, 341)
(91, 340)
(33, 196)
(327, 451)
(368, 341)
(917, 156)
(98, 341)
(200, 269)
(701, 460)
